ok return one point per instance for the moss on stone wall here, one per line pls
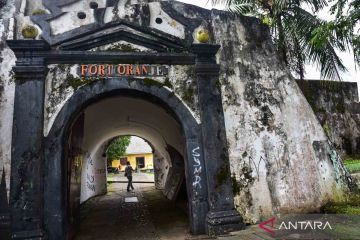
(331, 86)
(230, 95)
(168, 83)
(151, 82)
(309, 94)
(257, 95)
(188, 95)
(246, 176)
(12, 76)
(119, 47)
(333, 92)
(327, 129)
(241, 189)
(38, 12)
(235, 185)
(340, 106)
(76, 82)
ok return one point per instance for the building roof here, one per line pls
(138, 146)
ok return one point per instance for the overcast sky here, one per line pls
(312, 72)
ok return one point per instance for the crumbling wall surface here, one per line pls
(274, 138)
(338, 110)
(7, 60)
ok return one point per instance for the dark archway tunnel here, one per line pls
(102, 117)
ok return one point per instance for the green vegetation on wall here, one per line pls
(38, 12)
(119, 47)
(350, 205)
(151, 82)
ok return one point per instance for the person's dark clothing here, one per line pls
(128, 171)
(129, 183)
(128, 174)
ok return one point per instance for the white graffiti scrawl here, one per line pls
(197, 167)
(90, 178)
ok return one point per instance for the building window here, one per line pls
(140, 162)
(123, 160)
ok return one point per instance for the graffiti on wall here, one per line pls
(197, 167)
(255, 165)
(92, 173)
(90, 178)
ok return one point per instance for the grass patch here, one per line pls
(111, 176)
(343, 209)
(353, 165)
(350, 205)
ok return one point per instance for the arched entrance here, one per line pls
(55, 188)
(37, 195)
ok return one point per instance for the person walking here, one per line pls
(128, 174)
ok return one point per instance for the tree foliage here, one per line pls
(117, 147)
(343, 30)
(297, 33)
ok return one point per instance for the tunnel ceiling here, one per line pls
(131, 116)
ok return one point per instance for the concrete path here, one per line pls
(137, 177)
(152, 217)
(110, 217)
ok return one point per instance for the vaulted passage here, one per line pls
(153, 216)
(91, 123)
(114, 116)
(90, 134)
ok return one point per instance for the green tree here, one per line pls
(117, 147)
(344, 29)
(293, 28)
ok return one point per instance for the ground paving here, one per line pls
(153, 217)
(137, 177)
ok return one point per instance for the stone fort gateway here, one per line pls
(224, 116)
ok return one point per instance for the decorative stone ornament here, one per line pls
(202, 35)
(29, 32)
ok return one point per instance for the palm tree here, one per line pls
(344, 28)
(293, 28)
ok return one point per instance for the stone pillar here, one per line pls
(222, 216)
(26, 191)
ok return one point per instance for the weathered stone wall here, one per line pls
(63, 80)
(338, 110)
(7, 61)
(273, 136)
(279, 154)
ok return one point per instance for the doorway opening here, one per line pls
(133, 150)
(144, 212)
(93, 124)
(105, 129)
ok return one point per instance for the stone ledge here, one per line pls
(221, 222)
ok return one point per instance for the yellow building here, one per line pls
(138, 153)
